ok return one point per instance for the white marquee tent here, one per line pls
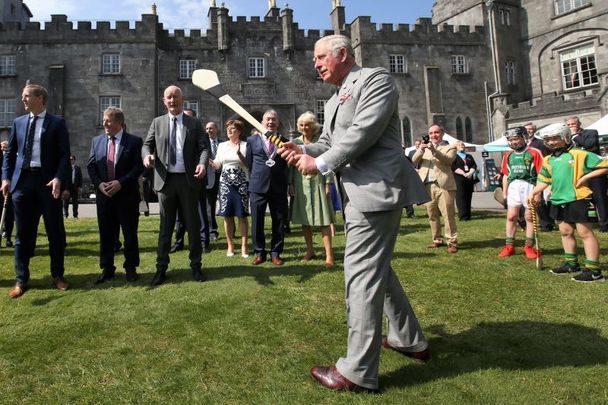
(601, 126)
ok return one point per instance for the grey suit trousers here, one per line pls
(372, 288)
(177, 192)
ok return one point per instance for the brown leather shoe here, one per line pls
(330, 378)
(276, 260)
(423, 356)
(434, 245)
(452, 248)
(17, 291)
(258, 260)
(61, 283)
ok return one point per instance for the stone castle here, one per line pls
(477, 67)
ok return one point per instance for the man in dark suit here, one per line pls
(35, 167)
(114, 167)
(72, 190)
(178, 149)
(213, 179)
(545, 221)
(589, 139)
(267, 187)
(180, 227)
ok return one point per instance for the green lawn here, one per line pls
(500, 331)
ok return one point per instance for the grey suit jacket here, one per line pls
(361, 141)
(195, 149)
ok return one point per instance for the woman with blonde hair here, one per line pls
(312, 205)
(233, 192)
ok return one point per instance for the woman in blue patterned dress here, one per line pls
(233, 193)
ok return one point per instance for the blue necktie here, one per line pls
(173, 142)
(29, 143)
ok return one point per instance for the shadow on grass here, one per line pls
(262, 274)
(518, 345)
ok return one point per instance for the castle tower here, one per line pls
(14, 11)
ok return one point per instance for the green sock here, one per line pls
(593, 266)
(570, 258)
(529, 241)
(509, 241)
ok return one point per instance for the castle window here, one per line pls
(510, 72)
(468, 130)
(578, 67)
(105, 102)
(459, 65)
(320, 111)
(191, 105)
(563, 6)
(459, 131)
(256, 67)
(406, 125)
(7, 111)
(397, 64)
(8, 65)
(505, 16)
(110, 64)
(186, 67)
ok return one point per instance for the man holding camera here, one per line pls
(434, 160)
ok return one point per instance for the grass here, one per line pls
(501, 331)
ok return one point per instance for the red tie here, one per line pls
(111, 155)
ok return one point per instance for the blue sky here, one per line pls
(193, 13)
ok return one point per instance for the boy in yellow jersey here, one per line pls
(567, 170)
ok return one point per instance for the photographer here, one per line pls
(434, 159)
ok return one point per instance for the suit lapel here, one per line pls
(123, 145)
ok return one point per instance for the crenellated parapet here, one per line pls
(423, 32)
(554, 103)
(60, 30)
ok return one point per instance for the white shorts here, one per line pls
(517, 194)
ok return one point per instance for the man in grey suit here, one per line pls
(361, 143)
(178, 149)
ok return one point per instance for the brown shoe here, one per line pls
(434, 245)
(423, 356)
(452, 249)
(276, 260)
(330, 378)
(258, 260)
(61, 283)
(17, 291)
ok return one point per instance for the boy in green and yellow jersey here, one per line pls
(567, 170)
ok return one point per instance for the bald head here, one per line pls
(173, 100)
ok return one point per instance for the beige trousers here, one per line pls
(442, 204)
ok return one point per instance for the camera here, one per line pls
(425, 139)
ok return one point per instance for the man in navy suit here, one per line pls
(267, 186)
(213, 179)
(114, 167)
(178, 149)
(34, 169)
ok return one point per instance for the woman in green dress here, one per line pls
(311, 206)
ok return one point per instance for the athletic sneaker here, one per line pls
(566, 268)
(508, 250)
(530, 252)
(587, 276)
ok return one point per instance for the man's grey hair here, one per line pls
(337, 42)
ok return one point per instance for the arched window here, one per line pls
(459, 131)
(468, 129)
(407, 132)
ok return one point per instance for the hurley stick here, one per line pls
(532, 205)
(208, 81)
